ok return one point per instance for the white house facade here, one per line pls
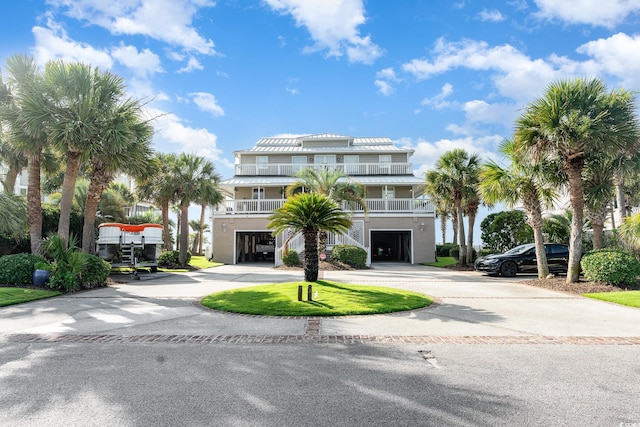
(400, 221)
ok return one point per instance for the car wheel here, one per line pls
(508, 269)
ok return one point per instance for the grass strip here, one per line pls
(11, 296)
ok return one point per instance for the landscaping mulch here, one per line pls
(322, 266)
(579, 288)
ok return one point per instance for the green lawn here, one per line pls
(630, 298)
(196, 261)
(202, 262)
(443, 261)
(333, 299)
(10, 296)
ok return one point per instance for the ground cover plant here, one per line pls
(10, 296)
(328, 299)
(443, 261)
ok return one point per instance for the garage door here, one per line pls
(254, 246)
(390, 246)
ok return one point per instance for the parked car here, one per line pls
(522, 259)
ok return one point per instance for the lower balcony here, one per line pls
(374, 206)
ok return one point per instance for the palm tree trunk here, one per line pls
(201, 231)
(99, 182)
(10, 179)
(597, 225)
(622, 210)
(443, 228)
(576, 199)
(166, 233)
(184, 234)
(34, 203)
(534, 210)
(472, 221)
(463, 248)
(310, 256)
(454, 224)
(68, 188)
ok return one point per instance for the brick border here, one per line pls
(313, 338)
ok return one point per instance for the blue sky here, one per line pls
(431, 75)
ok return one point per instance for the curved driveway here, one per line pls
(472, 308)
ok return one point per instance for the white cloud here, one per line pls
(207, 102)
(439, 101)
(171, 131)
(333, 25)
(384, 80)
(142, 63)
(192, 64)
(165, 20)
(479, 111)
(593, 12)
(491, 16)
(53, 43)
(617, 56)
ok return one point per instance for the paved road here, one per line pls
(493, 352)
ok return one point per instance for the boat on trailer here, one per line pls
(129, 245)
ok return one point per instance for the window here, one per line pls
(385, 162)
(258, 193)
(325, 161)
(351, 164)
(388, 192)
(262, 164)
(299, 162)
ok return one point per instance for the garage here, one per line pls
(255, 246)
(392, 245)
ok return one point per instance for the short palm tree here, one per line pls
(333, 184)
(571, 119)
(310, 213)
(12, 214)
(521, 182)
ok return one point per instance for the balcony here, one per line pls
(374, 206)
(289, 169)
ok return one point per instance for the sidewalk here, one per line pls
(472, 308)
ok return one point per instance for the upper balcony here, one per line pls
(290, 169)
(374, 206)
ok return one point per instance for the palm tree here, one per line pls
(557, 228)
(572, 118)
(471, 201)
(599, 190)
(333, 184)
(457, 169)
(441, 195)
(80, 115)
(522, 182)
(159, 188)
(25, 125)
(198, 234)
(208, 195)
(187, 174)
(310, 213)
(125, 146)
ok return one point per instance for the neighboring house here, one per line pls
(400, 221)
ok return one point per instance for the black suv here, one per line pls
(522, 259)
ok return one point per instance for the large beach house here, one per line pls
(399, 225)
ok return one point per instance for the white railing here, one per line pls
(297, 244)
(289, 169)
(378, 206)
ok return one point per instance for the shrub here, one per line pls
(454, 252)
(17, 269)
(612, 267)
(95, 272)
(291, 258)
(350, 255)
(171, 259)
(485, 252)
(443, 250)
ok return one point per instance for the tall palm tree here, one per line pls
(333, 184)
(471, 201)
(208, 195)
(310, 213)
(457, 170)
(80, 116)
(125, 145)
(159, 188)
(440, 193)
(523, 182)
(25, 131)
(599, 190)
(186, 175)
(574, 117)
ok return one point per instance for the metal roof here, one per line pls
(295, 144)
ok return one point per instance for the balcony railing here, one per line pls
(374, 206)
(289, 169)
